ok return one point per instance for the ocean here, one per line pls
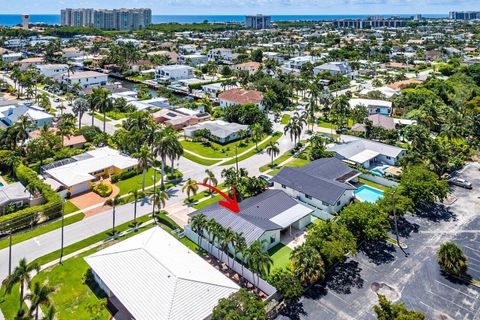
(12, 19)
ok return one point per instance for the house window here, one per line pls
(308, 197)
(272, 239)
(284, 186)
(338, 203)
(389, 158)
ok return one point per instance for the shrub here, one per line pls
(123, 176)
(103, 189)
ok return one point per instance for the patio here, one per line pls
(292, 239)
(91, 199)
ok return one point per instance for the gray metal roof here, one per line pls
(323, 179)
(354, 145)
(13, 192)
(255, 214)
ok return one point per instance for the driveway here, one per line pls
(91, 199)
(414, 280)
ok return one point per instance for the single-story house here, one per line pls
(220, 131)
(72, 142)
(9, 115)
(366, 153)
(374, 106)
(180, 118)
(265, 217)
(378, 120)
(13, 194)
(27, 62)
(323, 184)
(154, 276)
(251, 67)
(333, 68)
(240, 96)
(79, 173)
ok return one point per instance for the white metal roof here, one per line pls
(155, 276)
(96, 160)
(292, 215)
(364, 156)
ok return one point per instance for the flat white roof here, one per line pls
(99, 159)
(292, 215)
(155, 276)
(364, 156)
(370, 102)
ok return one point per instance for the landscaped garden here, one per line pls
(210, 149)
(254, 151)
(280, 255)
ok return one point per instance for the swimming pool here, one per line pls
(377, 172)
(368, 194)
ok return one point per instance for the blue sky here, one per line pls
(239, 7)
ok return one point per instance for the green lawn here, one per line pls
(203, 194)
(207, 202)
(17, 238)
(70, 208)
(215, 150)
(285, 119)
(247, 155)
(9, 303)
(295, 162)
(280, 255)
(135, 182)
(198, 160)
(372, 184)
(116, 115)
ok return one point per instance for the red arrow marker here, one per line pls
(230, 204)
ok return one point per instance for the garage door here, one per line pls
(81, 188)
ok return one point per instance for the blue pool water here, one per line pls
(368, 194)
(377, 172)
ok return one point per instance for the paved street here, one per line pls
(414, 280)
(49, 242)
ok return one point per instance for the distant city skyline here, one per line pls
(240, 7)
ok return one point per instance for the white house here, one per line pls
(374, 106)
(367, 153)
(154, 276)
(78, 173)
(86, 79)
(333, 68)
(9, 115)
(222, 54)
(295, 64)
(50, 70)
(322, 184)
(12, 57)
(173, 72)
(193, 60)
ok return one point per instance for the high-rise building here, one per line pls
(258, 22)
(369, 23)
(25, 21)
(105, 19)
(464, 15)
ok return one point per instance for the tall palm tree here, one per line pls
(190, 187)
(340, 109)
(38, 296)
(103, 103)
(238, 242)
(226, 240)
(167, 145)
(159, 198)
(310, 109)
(145, 160)
(272, 150)
(62, 108)
(259, 261)
(20, 275)
(210, 179)
(295, 127)
(256, 130)
(198, 224)
(114, 202)
(452, 260)
(66, 126)
(23, 126)
(135, 194)
(80, 106)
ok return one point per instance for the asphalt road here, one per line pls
(414, 280)
(39, 246)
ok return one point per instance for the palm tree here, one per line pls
(62, 108)
(38, 296)
(145, 159)
(210, 179)
(307, 264)
(159, 198)
(452, 260)
(259, 261)
(50, 315)
(198, 224)
(20, 275)
(295, 127)
(167, 145)
(272, 150)
(135, 194)
(114, 202)
(238, 241)
(190, 187)
(226, 239)
(66, 126)
(340, 109)
(23, 127)
(257, 132)
(103, 103)
(310, 109)
(80, 106)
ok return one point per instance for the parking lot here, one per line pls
(415, 280)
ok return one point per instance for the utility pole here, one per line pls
(63, 225)
(154, 192)
(10, 254)
(236, 157)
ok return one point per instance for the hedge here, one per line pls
(123, 176)
(198, 86)
(32, 215)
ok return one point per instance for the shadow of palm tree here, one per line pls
(344, 277)
(378, 251)
(293, 309)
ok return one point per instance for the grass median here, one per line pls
(254, 151)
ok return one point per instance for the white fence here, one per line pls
(232, 264)
(380, 180)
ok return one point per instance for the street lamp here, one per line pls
(10, 253)
(63, 225)
(154, 177)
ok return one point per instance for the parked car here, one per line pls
(326, 137)
(267, 179)
(460, 182)
(56, 100)
(341, 130)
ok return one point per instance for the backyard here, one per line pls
(280, 255)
